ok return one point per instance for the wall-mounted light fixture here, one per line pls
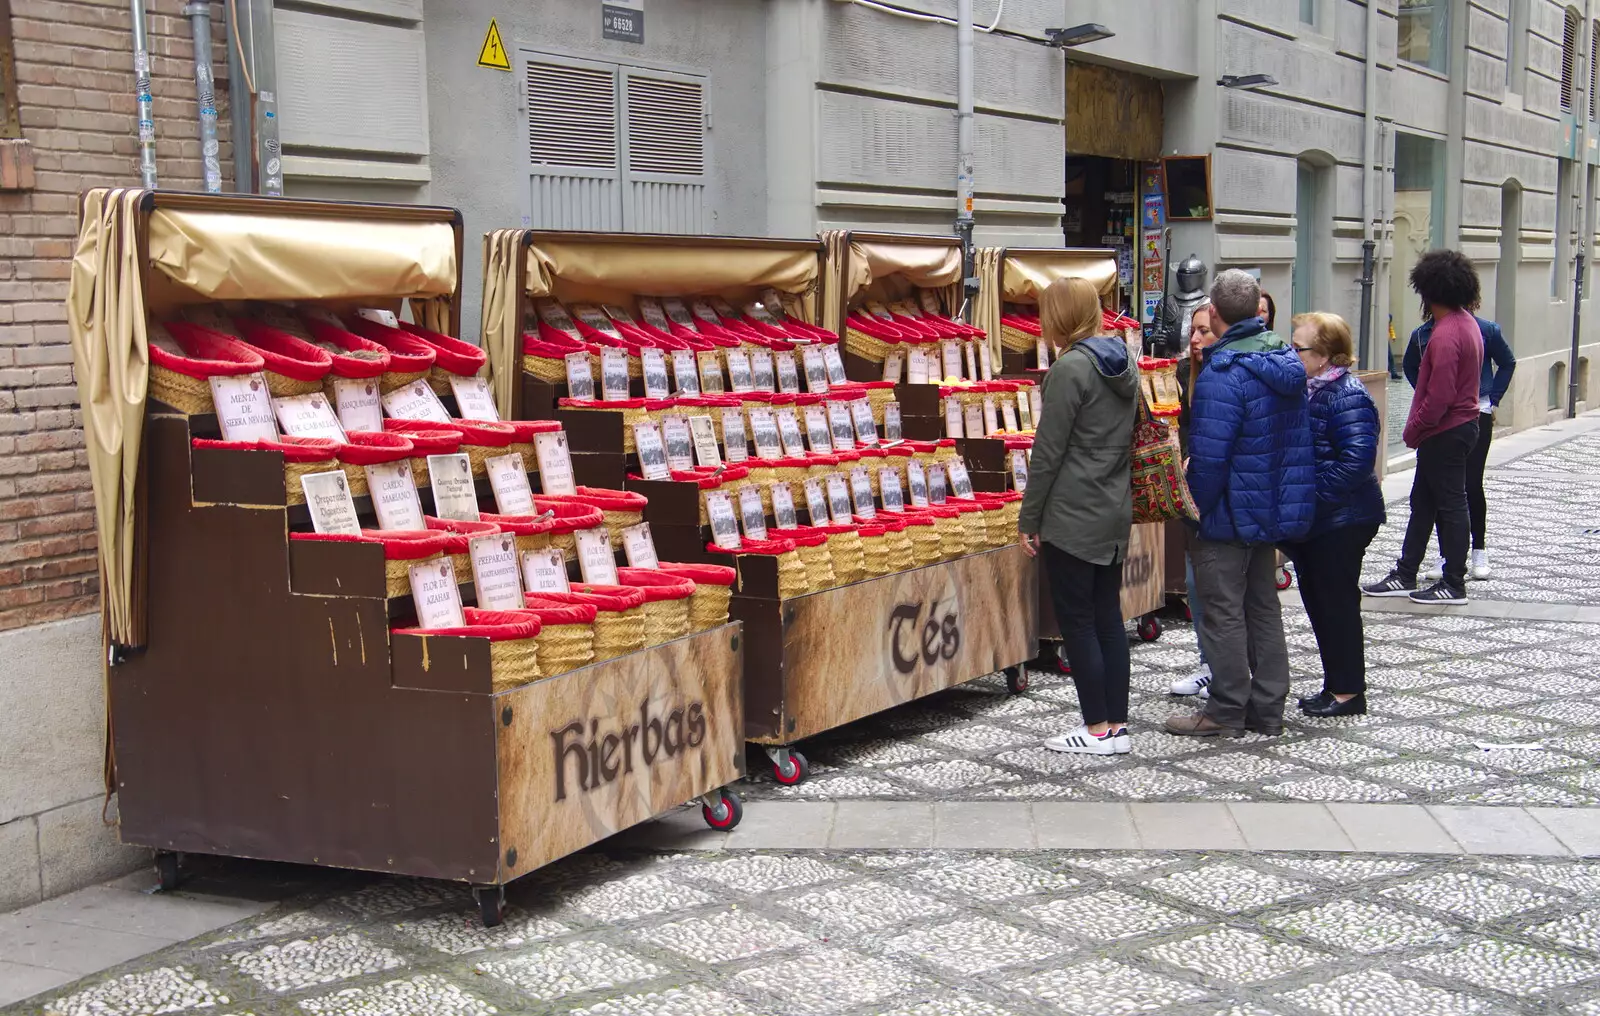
(1247, 81)
(1080, 35)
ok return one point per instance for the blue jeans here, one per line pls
(1195, 613)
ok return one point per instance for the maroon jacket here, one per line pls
(1447, 381)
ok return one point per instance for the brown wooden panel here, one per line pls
(671, 503)
(1143, 580)
(1113, 113)
(984, 454)
(329, 568)
(235, 476)
(592, 430)
(606, 470)
(441, 663)
(589, 753)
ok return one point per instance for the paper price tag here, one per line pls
(555, 463)
(328, 499)
(685, 373)
(816, 502)
(710, 371)
(415, 401)
(917, 480)
(972, 359)
(917, 366)
(816, 370)
(1036, 402)
(764, 432)
(580, 376)
(494, 571)
(614, 374)
(455, 493)
(866, 428)
(652, 451)
(1042, 351)
(788, 373)
(1008, 413)
(640, 547)
(834, 364)
(545, 571)
(839, 498)
(1025, 410)
(474, 399)
(724, 523)
(356, 400)
(657, 385)
(817, 430)
(394, 496)
(783, 506)
(789, 430)
(952, 418)
(861, 493)
(436, 594)
(974, 420)
(308, 416)
(680, 443)
(894, 500)
(597, 562)
(704, 433)
(244, 408)
(1019, 470)
(985, 360)
(508, 478)
(739, 378)
(382, 317)
(735, 442)
(761, 374)
(752, 515)
(960, 483)
(936, 484)
(841, 427)
(950, 350)
(892, 430)
(991, 419)
(893, 366)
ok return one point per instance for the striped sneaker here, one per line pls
(1392, 585)
(1081, 742)
(1124, 741)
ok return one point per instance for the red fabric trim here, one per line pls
(453, 355)
(426, 436)
(349, 366)
(601, 404)
(413, 544)
(494, 625)
(610, 500)
(773, 547)
(407, 353)
(801, 536)
(370, 448)
(463, 527)
(520, 525)
(657, 585)
(612, 599)
(527, 429)
(553, 612)
(285, 354)
(704, 574)
(570, 516)
(209, 353)
(485, 433)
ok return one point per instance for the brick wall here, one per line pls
(75, 92)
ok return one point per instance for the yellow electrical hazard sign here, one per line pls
(493, 53)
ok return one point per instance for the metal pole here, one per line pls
(964, 146)
(199, 15)
(239, 100)
(1577, 313)
(141, 77)
(264, 71)
(1368, 250)
(1369, 153)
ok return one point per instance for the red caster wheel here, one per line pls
(1285, 578)
(1149, 628)
(1188, 614)
(1017, 679)
(722, 810)
(790, 767)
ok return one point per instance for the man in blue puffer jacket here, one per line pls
(1254, 482)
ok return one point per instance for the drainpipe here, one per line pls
(240, 98)
(1582, 220)
(147, 117)
(964, 146)
(264, 76)
(1369, 153)
(199, 15)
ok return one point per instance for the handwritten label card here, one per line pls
(985, 360)
(861, 416)
(545, 571)
(474, 399)
(960, 483)
(917, 480)
(834, 364)
(724, 523)
(416, 401)
(917, 366)
(704, 433)
(788, 374)
(640, 547)
(656, 383)
(652, 451)
(764, 431)
(1008, 412)
(1042, 350)
(839, 498)
(817, 430)
(614, 374)
(580, 376)
(685, 374)
(357, 402)
(842, 428)
(455, 494)
(861, 493)
(308, 416)
(891, 422)
(1036, 402)
(436, 594)
(894, 499)
(950, 350)
(394, 496)
(735, 442)
(1019, 470)
(597, 561)
(1025, 410)
(329, 501)
(991, 419)
(974, 420)
(761, 373)
(816, 502)
(244, 408)
(783, 506)
(680, 443)
(710, 371)
(508, 478)
(789, 430)
(893, 366)
(816, 370)
(952, 417)
(555, 463)
(972, 360)
(936, 484)
(739, 378)
(494, 571)
(751, 513)
(382, 317)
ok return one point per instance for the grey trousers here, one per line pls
(1243, 632)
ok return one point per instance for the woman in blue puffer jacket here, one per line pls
(1345, 438)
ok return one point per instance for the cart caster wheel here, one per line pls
(1188, 614)
(1017, 680)
(1149, 628)
(491, 900)
(722, 810)
(790, 768)
(168, 875)
(1285, 578)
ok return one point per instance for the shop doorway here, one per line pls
(1101, 209)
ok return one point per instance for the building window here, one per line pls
(1425, 33)
(1505, 275)
(1570, 27)
(1313, 234)
(1566, 228)
(10, 115)
(1308, 12)
(1517, 46)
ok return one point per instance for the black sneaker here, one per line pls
(1394, 585)
(1439, 594)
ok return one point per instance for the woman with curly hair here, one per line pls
(1443, 428)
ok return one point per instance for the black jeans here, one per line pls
(1088, 602)
(1328, 568)
(1439, 498)
(1477, 506)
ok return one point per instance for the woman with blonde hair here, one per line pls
(1344, 437)
(1078, 510)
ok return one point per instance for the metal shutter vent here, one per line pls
(572, 116)
(1594, 65)
(666, 126)
(1569, 58)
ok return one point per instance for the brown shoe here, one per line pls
(1199, 725)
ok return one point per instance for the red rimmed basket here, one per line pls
(532, 532)
(812, 545)
(353, 356)
(483, 440)
(427, 438)
(372, 448)
(523, 442)
(461, 533)
(666, 602)
(567, 518)
(410, 359)
(451, 357)
(545, 357)
(713, 592)
(619, 626)
(301, 455)
(1020, 333)
(847, 552)
(619, 508)
(293, 365)
(793, 579)
(513, 643)
(181, 366)
(566, 641)
(874, 548)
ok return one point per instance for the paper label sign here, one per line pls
(739, 378)
(991, 419)
(508, 478)
(244, 408)
(640, 547)
(834, 364)
(555, 463)
(680, 444)
(710, 371)
(436, 594)
(761, 375)
(816, 370)
(817, 430)
(657, 385)
(839, 498)
(917, 480)
(382, 317)
(474, 399)
(788, 374)
(494, 571)
(735, 443)
(764, 432)
(652, 451)
(308, 416)
(951, 352)
(816, 502)
(1042, 351)
(394, 496)
(893, 364)
(960, 484)
(917, 366)
(684, 372)
(972, 359)
(328, 499)
(358, 405)
(1008, 413)
(936, 484)
(889, 487)
(974, 420)
(1025, 410)
(1036, 402)
(789, 430)
(861, 416)
(597, 561)
(861, 493)
(613, 374)
(580, 376)
(952, 418)
(724, 523)
(416, 401)
(985, 360)
(704, 434)
(455, 494)
(751, 513)
(842, 429)
(545, 571)
(783, 506)
(891, 422)
(1019, 470)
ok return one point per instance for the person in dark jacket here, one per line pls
(1499, 364)
(1344, 438)
(1200, 337)
(1078, 510)
(1254, 483)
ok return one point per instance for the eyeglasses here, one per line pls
(1303, 349)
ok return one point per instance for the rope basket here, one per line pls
(874, 550)
(666, 602)
(619, 509)
(293, 365)
(532, 532)
(819, 466)
(371, 448)
(713, 592)
(452, 357)
(523, 441)
(791, 470)
(872, 339)
(460, 534)
(618, 629)
(812, 546)
(354, 357)
(513, 643)
(566, 636)
(873, 459)
(974, 527)
(927, 545)
(301, 455)
(547, 361)
(947, 523)
(848, 554)
(570, 516)
(483, 440)
(427, 438)
(793, 579)
(181, 364)
(410, 359)
(897, 537)
(1020, 333)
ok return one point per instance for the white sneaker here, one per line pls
(1434, 572)
(1480, 564)
(1195, 683)
(1124, 742)
(1081, 742)
(1204, 694)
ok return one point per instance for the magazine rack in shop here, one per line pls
(812, 662)
(259, 704)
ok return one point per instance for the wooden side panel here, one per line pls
(589, 753)
(860, 649)
(1143, 579)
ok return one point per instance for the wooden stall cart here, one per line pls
(259, 704)
(886, 269)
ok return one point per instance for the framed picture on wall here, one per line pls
(1186, 183)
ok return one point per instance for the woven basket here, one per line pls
(570, 516)
(874, 551)
(532, 532)
(666, 605)
(483, 441)
(619, 509)
(902, 554)
(550, 371)
(452, 358)
(1017, 340)
(180, 379)
(793, 579)
(713, 592)
(371, 448)
(952, 538)
(513, 663)
(566, 639)
(618, 633)
(927, 544)
(293, 365)
(812, 546)
(849, 556)
(427, 438)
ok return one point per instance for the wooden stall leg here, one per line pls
(722, 810)
(169, 870)
(789, 767)
(491, 900)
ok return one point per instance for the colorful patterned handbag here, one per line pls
(1160, 491)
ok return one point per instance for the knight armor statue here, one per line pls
(1177, 309)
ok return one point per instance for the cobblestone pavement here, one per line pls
(907, 934)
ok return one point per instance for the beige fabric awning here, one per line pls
(665, 269)
(1028, 272)
(500, 328)
(924, 265)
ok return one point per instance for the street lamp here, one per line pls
(1079, 35)
(1247, 81)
